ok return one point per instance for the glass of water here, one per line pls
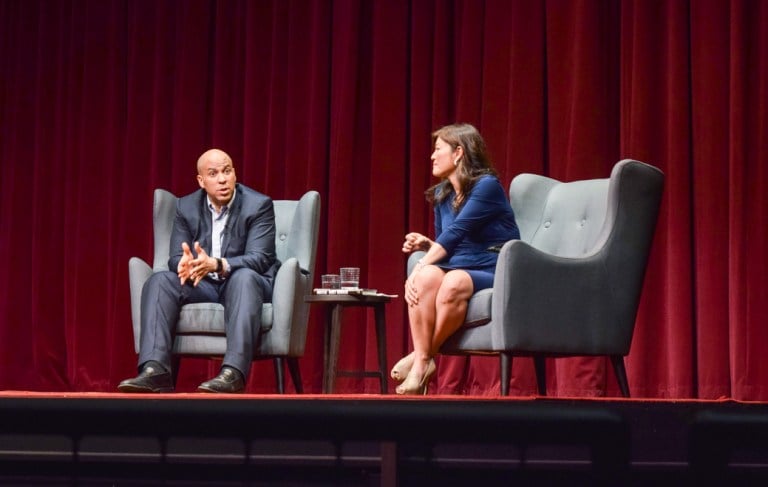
(350, 277)
(331, 281)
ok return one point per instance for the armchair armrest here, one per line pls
(290, 312)
(413, 259)
(547, 300)
(138, 273)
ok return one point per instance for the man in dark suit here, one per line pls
(223, 249)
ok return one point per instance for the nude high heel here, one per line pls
(402, 367)
(417, 385)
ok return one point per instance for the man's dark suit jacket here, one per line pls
(248, 238)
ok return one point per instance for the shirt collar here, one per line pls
(225, 208)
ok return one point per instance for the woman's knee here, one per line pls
(456, 287)
(430, 277)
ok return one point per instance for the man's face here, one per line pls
(216, 175)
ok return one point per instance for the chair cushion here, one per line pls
(479, 309)
(208, 318)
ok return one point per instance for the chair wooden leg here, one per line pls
(541, 374)
(293, 368)
(279, 377)
(175, 364)
(621, 374)
(506, 372)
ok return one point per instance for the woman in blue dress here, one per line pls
(472, 215)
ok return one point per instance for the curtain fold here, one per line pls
(101, 102)
(747, 234)
(656, 79)
(710, 100)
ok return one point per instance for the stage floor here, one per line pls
(196, 439)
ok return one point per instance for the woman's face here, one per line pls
(444, 159)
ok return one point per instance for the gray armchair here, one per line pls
(571, 285)
(200, 330)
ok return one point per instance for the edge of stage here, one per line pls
(195, 439)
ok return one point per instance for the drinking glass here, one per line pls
(350, 277)
(331, 281)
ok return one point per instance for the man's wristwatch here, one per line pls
(219, 266)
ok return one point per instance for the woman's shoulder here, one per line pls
(488, 179)
(488, 183)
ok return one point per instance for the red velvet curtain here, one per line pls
(103, 101)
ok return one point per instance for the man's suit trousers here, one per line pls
(242, 296)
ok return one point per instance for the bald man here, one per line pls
(223, 250)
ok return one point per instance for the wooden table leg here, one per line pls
(327, 346)
(332, 358)
(381, 339)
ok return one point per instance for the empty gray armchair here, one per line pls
(200, 329)
(571, 285)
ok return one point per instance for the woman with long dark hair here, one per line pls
(472, 215)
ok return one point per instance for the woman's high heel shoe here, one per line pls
(417, 385)
(402, 367)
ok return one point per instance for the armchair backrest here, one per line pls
(566, 218)
(610, 220)
(296, 225)
(163, 213)
(562, 219)
(576, 219)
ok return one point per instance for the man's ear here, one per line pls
(200, 181)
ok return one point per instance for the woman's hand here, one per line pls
(416, 241)
(411, 293)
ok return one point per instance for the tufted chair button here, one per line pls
(583, 222)
(283, 237)
(547, 224)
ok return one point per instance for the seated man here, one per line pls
(232, 231)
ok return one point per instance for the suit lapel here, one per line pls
(204, 230)
(234, 214)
